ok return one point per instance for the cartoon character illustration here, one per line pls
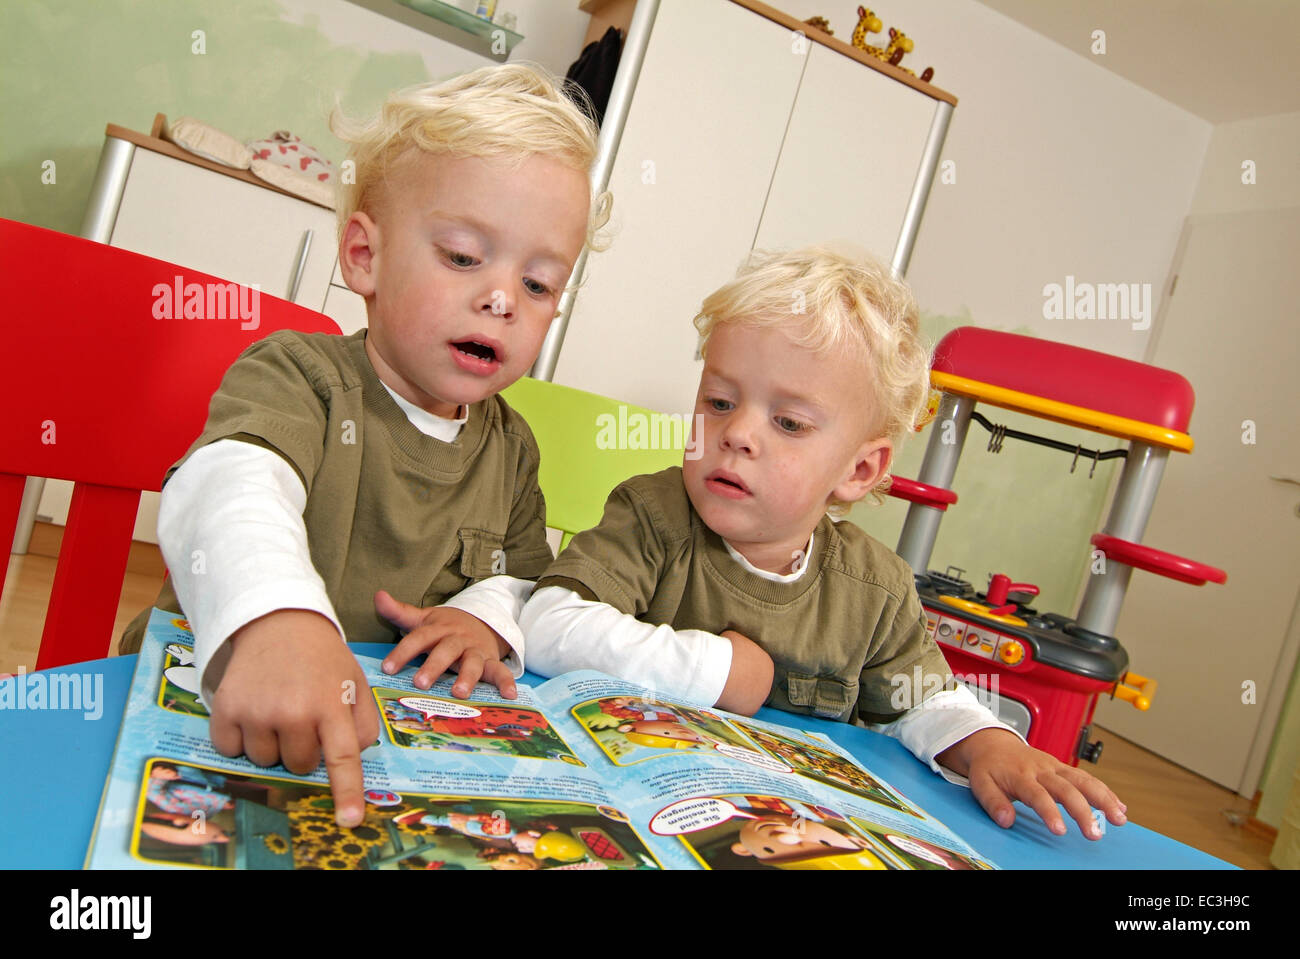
(632, 708)
(508, 847)
(185, 675)
(505, 859)
(183, 793)
(801, 842)
(665, 734)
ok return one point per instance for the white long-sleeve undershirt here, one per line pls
(231, 530)
(566, 632)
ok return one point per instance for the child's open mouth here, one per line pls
(726, 484)
(477, 356)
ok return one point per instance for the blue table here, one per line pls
(53, 764)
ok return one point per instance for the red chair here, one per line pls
(106, 383)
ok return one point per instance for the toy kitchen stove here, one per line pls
(1042, 672)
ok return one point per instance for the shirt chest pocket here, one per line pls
(477, 555)
(827, 696)
(481, 554)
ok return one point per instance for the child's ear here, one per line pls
(357, 250)
(870, 464)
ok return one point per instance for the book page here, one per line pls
(484, 783)
(583, 772)
(731, 792)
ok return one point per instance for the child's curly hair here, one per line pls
(511, 111)
(832, 302)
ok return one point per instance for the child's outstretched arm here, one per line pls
(961, 738)
(908, 692)
(273, 667)
(566, 632)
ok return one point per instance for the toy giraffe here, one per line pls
(868, 22)
(899, 44)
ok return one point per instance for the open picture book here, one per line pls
(582, 772)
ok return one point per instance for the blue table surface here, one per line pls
(55, 763)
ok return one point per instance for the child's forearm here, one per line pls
(566, 632)
(231, 531)
(749, 681)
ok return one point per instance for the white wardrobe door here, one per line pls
(851, 156)
(693, 166)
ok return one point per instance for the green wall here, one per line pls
(69, 67)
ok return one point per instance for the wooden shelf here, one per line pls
(618, 13)
(448, 23)
(154, 141)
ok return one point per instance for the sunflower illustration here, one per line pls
(276, 843)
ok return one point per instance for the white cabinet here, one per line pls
(176, 211)
(850, 157)
(740, 134)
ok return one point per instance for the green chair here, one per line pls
(589, 445)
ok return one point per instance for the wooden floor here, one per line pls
(1159, 795)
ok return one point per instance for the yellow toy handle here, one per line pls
(1140, 696)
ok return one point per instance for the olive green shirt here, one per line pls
(387, 506)
(844, 637)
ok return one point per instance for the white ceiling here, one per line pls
(1222, 60)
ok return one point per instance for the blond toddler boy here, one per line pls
(331, 465)
(726, 582)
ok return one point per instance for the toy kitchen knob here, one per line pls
(1011, 652)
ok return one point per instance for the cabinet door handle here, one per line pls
(301, 265)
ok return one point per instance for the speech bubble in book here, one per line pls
(916, 849)
(692, 815)
(438, 707)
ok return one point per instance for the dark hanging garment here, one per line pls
(595, 68)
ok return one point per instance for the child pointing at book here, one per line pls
(333, 466)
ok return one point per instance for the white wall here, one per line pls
(1273, 143)
(1062, 168)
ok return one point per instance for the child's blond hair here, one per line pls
(828, 301)
(512, 111)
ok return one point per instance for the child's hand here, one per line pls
(291, 692)
(449, 636)
(1001, 768)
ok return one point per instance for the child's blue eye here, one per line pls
(719, 406)
(789, 425)
(535, 288)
